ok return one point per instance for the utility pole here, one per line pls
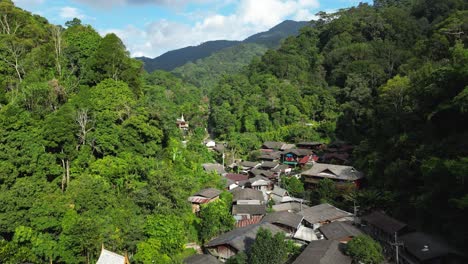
(356, 209)
(396, 244)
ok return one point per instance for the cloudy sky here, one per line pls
(152, 27)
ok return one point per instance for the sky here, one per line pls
(151, 27)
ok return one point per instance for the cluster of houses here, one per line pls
(312, 161)
(322, 230)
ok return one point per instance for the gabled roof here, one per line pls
(216, 167)
(254, 219)
(323, 252)
(259, 172)
(309, 144)
(425, 247)
(259, 180)
(269, 164)
(339, 230)
(278, 191)
(291, 206)
(249, 164)
(332, 171)
(201, 259)
(272, 145)
(208, 193)
(287, 146)
(322, 213)
(274, 155)
(284, 218)
(243, 238)
(247, 194)
(237, 177)
(280, 168)
(250, 209)
(384, 222)
(298, 152)
(109, 257)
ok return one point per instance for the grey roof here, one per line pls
(280, 168)
(339, 230)
(299, 152)
(331, 171)
(216, 167)
(415, 242)
(278, 191)
(272, 144)
(323, 212)
(274, 155)
(269, 164)
(109, 257)
(312, 143)
(323, 252)
(250, 164)
(284, 218)
(287, 146)
(242, 238)
(291, 206)
(201, 259)
(250, 209)
(259, 178)
(384, 222)
(208, 193)
(247, 194)
(259, 172)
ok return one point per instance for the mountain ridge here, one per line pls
(179, 57)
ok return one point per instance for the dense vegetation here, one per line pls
(390, 78)
(90, 153)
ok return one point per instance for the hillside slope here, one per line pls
(175, 58)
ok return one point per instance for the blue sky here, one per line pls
(152, 27)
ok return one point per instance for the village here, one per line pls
(320, 230)
(323, 229)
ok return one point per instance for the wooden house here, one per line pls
(293, 157)
(203, 197)
(338, 173)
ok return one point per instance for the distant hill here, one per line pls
(176, 58)
(206, 72)
(273, 37)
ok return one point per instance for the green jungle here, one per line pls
(90, 153)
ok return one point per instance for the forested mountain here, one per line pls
(391, 78)
(89, 150)
(176, 58)
(207, 72)
(90, 153)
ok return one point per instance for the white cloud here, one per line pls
(68, 12)
(250, 17)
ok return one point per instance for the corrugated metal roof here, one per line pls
(322, 213)
(284, 218)
(323, 252)
(198, 199)
(332, 171)
(339, 230)
(208, 193)
(251, 209)
(247, 194)
(201, 259)
(384, 222)
(246, 222)
(243, 238)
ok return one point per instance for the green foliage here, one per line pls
(268, 248)
(293, 185)
(215, 219)
(240, 258)
(364, 249)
